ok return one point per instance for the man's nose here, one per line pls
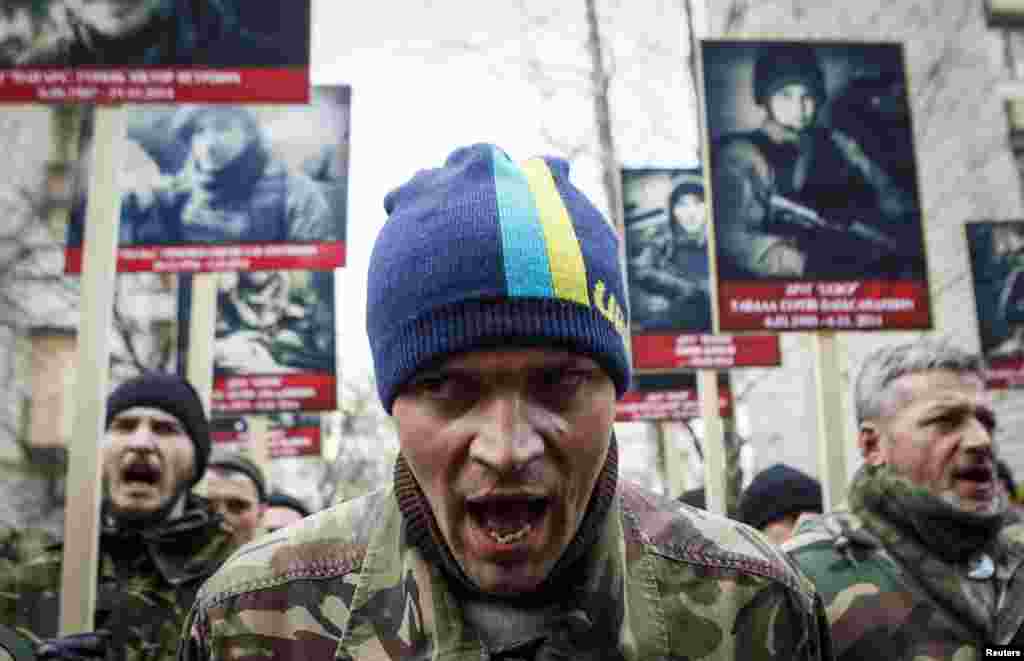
(506, 442)
(976, 436)
(142, 439)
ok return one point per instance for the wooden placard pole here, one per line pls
(259, 444)
(831, 436)
(713, 441)
(201, 325)
(80, 564)
(674, 458)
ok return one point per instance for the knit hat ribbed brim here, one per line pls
(483, 252)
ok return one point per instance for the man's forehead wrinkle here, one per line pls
(910, 388)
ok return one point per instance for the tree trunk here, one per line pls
(603, 117)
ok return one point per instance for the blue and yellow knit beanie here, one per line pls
(487, 253)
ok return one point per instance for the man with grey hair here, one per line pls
(924, 560)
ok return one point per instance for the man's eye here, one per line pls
(238, 506)
(439, 386)
(166, 428)
(946, 421)
(124, 425)
(562, 384)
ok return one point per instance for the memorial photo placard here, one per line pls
(229, 187)
(816, 216)
(154, 51)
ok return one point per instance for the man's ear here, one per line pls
(869, 440)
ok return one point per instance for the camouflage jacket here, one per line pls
(880, 609)
(664, 581)
(146, 584)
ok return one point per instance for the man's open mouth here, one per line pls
(141, 472)
(508, 519)
(981, 474)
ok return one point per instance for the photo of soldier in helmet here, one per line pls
(23, 24)
(996, 250)
(274, 322)
(208, 33)
(230, 188)
(797, 193)
(228, 174)
(666, 246)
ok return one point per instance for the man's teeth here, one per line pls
(510, 537)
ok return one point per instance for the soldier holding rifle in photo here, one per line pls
(158, 542)
(795, 198)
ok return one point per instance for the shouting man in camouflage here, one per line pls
(157, 542)
(496, 320)
(925, 562)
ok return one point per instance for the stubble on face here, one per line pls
(937, 432)
(147, 457)
(507, 446)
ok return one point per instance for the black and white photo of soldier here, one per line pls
(812, 161)
(666, 245)
(23, 24)
(274, 322)
(997, 265)
(206, 33)
(229, 189)
(225, 174)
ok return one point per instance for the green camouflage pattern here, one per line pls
(888, 597)
(18, 545)
(663, 581)
(146, 586)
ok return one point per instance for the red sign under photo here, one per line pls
(284, 441)
(196, 258)
(154, 85)
(824, 305)
(1005, 373)
(666, 405)
(267, 394)
(672, 351)
(295, 442)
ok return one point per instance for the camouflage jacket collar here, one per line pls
(410, 607)
(943, 583)
(405, 605)
(188, 548)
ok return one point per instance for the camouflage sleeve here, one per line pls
(193, 638)
(309, 217)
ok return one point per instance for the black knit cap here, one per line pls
(284, 500)
(781, 64)
(173, 394)
(777, 491)
(238, 463)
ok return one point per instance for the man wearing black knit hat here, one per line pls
(796, 197)
(283, 510)
(157, 543)
(495, 313)
(776, 499)
(237, 490)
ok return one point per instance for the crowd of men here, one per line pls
(507, 533)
